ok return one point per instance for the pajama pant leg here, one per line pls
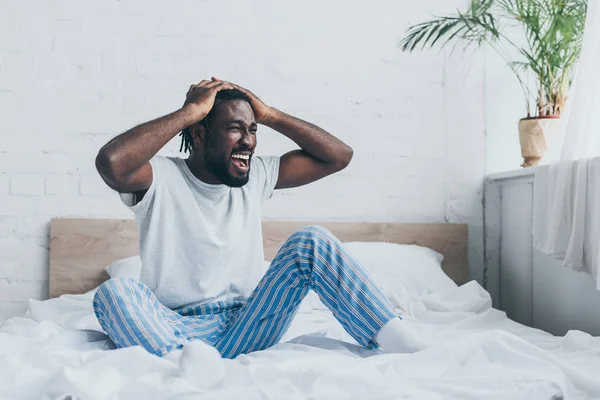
(132, 316)
(311, 258)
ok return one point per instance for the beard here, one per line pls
(217, 160)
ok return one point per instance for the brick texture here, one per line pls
(26, 185)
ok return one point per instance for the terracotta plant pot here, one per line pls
(532, 135)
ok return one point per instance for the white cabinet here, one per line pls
(532, 288)
(564, 299)
(516, 261)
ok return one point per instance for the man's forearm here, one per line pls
(313, 140)
(130, 150)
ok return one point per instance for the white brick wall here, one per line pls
(4, 184)
(75, 73)
(26, 185)
(60, 185)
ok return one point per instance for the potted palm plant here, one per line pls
(546, 55)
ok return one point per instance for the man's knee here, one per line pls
(115, 288)
(311, 238)
(315, 232)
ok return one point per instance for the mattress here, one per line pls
(58, 350)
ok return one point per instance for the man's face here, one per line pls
(230, 142)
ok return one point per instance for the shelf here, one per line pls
(515, 174)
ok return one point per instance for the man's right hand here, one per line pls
(124, 162)
(200, 99)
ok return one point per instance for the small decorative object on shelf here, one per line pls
(552, 44)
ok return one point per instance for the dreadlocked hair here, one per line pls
(187, 141)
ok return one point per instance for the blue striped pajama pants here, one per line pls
(311, 258)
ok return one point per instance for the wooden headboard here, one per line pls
(80, 249)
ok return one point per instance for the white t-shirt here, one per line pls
(199, 242)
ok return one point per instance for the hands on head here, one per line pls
(201, 99)
(124, 162)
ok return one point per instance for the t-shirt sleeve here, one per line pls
(157, 164)
(267, 173)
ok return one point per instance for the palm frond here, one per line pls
(553, 32)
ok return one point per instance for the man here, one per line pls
(200, 238)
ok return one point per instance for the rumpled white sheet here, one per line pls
(476, 353)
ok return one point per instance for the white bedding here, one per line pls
(477, 353)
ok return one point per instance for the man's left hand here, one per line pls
(262, 112)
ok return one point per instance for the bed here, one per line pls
(58, 350)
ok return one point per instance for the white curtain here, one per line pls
(566, 217)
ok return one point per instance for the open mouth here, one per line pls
(241, 161)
